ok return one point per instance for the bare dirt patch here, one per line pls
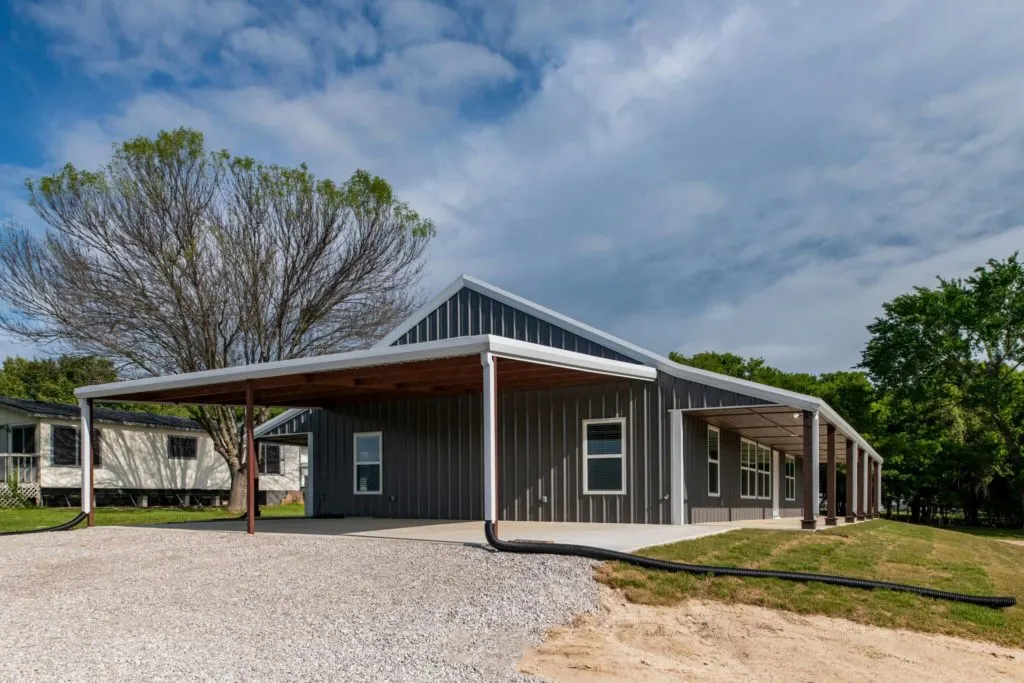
(709, 641)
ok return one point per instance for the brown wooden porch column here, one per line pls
(874, 491)
(830, 517)
(851, 488)
(810, 464)
(250, 462)
(861, 466)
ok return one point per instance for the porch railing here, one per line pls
(19, 479)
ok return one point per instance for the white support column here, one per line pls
(816, 461)
(308, 500)
(677, 492)
(776, 483)
(85, 455)
(490, 403)
(867, 484)
(878, 489)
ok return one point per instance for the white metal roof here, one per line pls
(662, 363)
(445, 348)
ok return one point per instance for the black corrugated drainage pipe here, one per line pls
(704, 570)
(59, 527)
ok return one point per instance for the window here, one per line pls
(182, 447)
(755, 470)
(748, 469)
(714, 478)
(270, 459)
(64, 451)
(23, 439)
(764, 472)
(367, 463)
(603, 456)
(790, 477)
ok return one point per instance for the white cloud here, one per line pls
(748, 178)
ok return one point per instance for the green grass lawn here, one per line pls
(37, 518)
(891, 551)
(991, 532)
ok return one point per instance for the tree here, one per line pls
(172, 258)
(961, 344)
(53, 379)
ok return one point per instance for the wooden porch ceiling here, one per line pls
(439, 377)
(778, 426)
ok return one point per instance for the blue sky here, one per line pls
(752, 177)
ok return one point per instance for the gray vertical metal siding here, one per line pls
(469, 313)
(728, 506)
(297, 425)
(432, 455)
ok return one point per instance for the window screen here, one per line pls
(23, 439)
(270, 460)
(182, 448)
(603, 444)
(65, 446)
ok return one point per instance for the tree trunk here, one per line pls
(239, 488)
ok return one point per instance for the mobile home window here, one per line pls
(64, 446)
(604, 456)
(182, 448)
(714, 476)
(790, 477)
(367, 463)
(270, 459)
(23, 439)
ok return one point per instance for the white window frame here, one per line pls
(717, 460)
(621, 421)
(764, 474)
(790, 478)
(379, 463)
(744, 468)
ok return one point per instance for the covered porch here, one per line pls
(473, 367)
(814, 435)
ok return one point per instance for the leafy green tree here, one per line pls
(174, 258)
(53, 379)
(961, 344)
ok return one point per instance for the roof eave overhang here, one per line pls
(392, 355)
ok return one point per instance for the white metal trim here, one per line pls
(275, 422)
(785, 474)
(621, 456)
(677, 491)
(355, 464)
(776, 483)
(84, 443)
(309, 495)
(490, 428)
(446, 348)
(718, 461)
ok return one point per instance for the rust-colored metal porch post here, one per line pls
(250, 461)
(851, 486)
(810, 465)
(830, 517)
(861, 467)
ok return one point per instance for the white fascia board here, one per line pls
(445, 348)
(274, 422)
(504, 347)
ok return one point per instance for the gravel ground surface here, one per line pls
(157, 604)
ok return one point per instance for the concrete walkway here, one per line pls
(623, 537)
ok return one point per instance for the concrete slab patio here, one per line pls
(623, 537)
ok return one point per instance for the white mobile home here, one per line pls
(140, 458)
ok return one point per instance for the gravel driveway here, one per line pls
(158, 604)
